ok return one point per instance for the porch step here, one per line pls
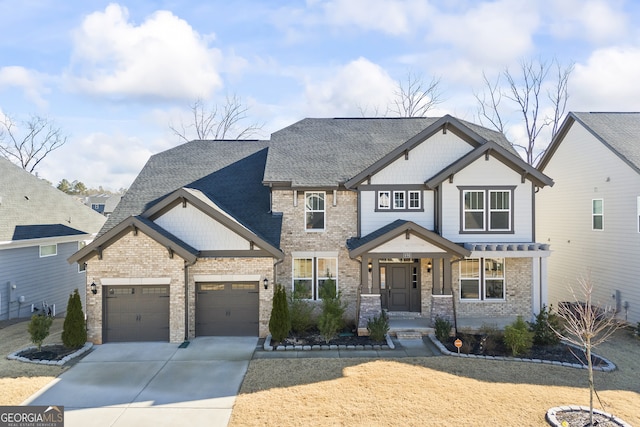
(408, 335)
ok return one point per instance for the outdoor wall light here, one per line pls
(429, 267)
(265, 282)
(94, 288)
(370, 267)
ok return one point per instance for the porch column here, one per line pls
(536, 286)
(446, 276)
(375, 276)
(435, 277)
(364, 275)
(544, 284)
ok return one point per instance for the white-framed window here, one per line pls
(597, 214)
(314, 209)
(398, 200)
(48, 250)
(487, 210)
(384, 200)
(482, 279)
(310, 274)
(415, 199)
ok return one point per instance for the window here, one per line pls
(482, 285)
(399, 200)
(48, 250)
(310, 275)
(597, 214)
(314, 211)
(414, 200)
(487, 210)
(383, 200)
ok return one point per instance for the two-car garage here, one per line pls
(141, 313)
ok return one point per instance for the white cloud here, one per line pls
(360, 86)
(607, 82)
(490, 33)
(596, 20)
(163, 57)
(29, 81)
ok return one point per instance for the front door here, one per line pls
(399, 286)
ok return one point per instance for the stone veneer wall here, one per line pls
(234, 267)
(341, 224)
(518, 293)
(136, 256)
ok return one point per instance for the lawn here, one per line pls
(431, 391)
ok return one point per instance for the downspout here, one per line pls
(186, 302)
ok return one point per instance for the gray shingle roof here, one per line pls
(228, 172)
(28, 201)
(620, 131)
(327, 152)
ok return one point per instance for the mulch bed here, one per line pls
(313, 337)
(47, 352)
(474, 344)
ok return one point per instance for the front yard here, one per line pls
(431, 391)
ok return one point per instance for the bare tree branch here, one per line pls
(215, 122)
(524, 90)
(28, 143)
(414, 98)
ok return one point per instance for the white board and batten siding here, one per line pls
(200, 230)
(487, 173)
(584, 169)
(372, 220)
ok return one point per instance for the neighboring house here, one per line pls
(430, 216)
(40, 227)
(592, 214)
(104, 204)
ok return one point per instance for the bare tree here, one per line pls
(587, 326)
(28, 143)
(217, 122)
(414, 97)
(525, 91)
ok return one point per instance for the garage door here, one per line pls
(228, 309)
(137, 313)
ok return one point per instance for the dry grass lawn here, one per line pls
(433, 391)
(19, 380)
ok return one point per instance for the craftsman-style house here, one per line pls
(429, 216)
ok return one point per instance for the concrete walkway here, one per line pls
(152, 384)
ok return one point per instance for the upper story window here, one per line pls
(314, 209)
(482, 279)
(48, 250)
(398, 200)
(597, 214)
(487, 210)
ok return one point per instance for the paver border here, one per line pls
(14, 356)
(268, 347)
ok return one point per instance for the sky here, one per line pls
(115, 76)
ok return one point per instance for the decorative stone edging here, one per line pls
(81, 350)
(553, 420)
(268, 347)
(607, 368)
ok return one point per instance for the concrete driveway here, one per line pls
(152, 384)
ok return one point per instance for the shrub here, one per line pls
(546, 327)
(331, 319)
(39, 329)
(442, 329)
(74, 330)
(300, 313)
(491, 336)
(378, 327)
(518, 337)
(280, 322)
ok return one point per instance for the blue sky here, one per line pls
(113, 76)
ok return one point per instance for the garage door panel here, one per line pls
(137, 313)
(227, 309)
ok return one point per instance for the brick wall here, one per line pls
(341, 224)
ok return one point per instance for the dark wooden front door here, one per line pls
(399, 287)
(137, 313)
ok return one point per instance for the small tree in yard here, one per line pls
(280, 321)
(39, 329)
(331, 319)
(518, 337)
(587, 326)
(74, 330)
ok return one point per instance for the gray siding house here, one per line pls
(421, 217)
(591, 217)
(40, 227)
